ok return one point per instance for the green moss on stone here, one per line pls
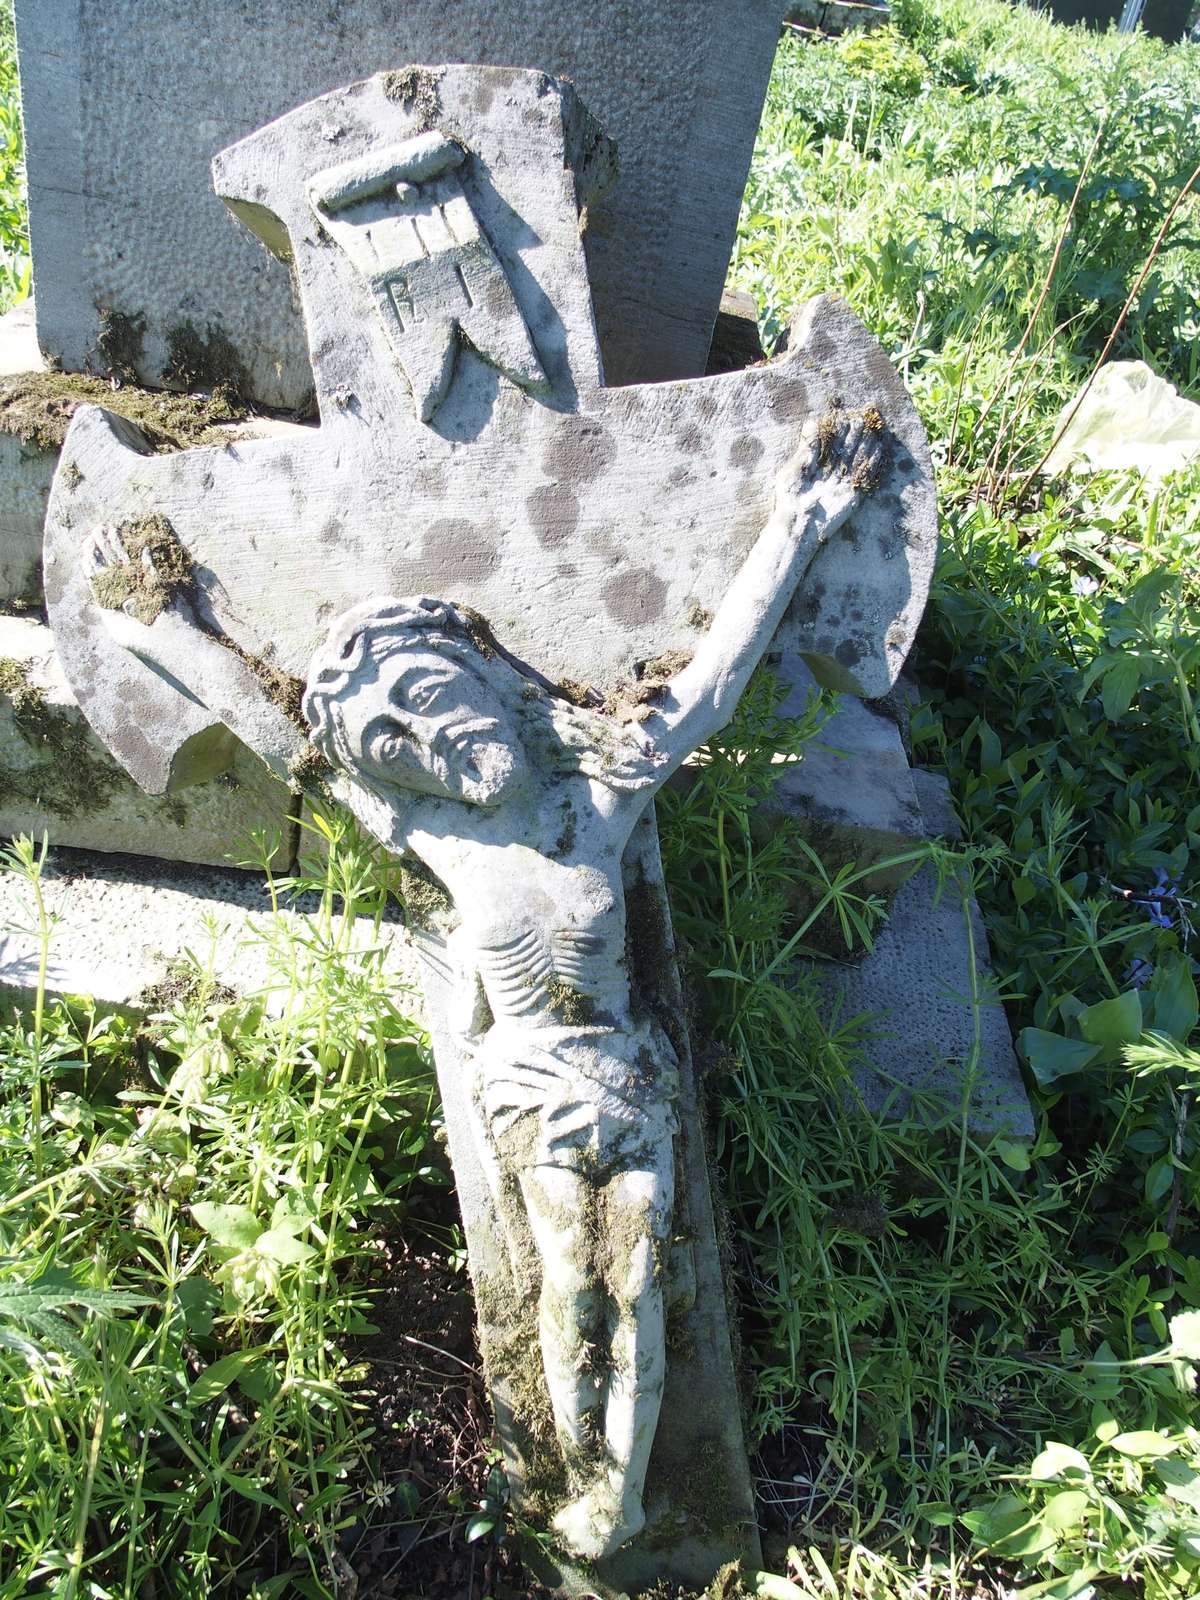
(120, 342)
(575, 1009)
(158, 570)
(206, 360)
(426, 902)
(37, 407)
(68, 773)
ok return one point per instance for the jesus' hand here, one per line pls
(839, 462)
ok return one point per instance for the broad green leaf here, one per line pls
(1120, 685)
(1057, 1459)
(477, 1527)
(1103, 1374)
(261, 1383)
(235, 1227)
(1179, 1481)
(1014, 1153)
(1173, 1005)
(217, 1378)
(1142, 1443)
(199, 1301)
(1185, 1335)
(1066, 1509)
(1159, 1177)
(291, 1214)
(1010, 1527)
(280, 1244)
(769, 1586)
(1112, 1023)
(1051, 1056)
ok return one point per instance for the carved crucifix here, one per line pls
(499, 604)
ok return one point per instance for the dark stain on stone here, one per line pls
(821, 347)
(483, 99)
(553, 512)
(578, 457)
(635, 598)
(807, 605)
(680, 475)
(904, 461)
(745, 451)
(567, 571)
(706, 406)
(789, 399)
(691, 439)
(849, 653)
(331, 533)
(454, 540)
(207, 360)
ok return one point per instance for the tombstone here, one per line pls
(491, 605)
(126, 104)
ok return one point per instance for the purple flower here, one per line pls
(1083, 584)
(1157, 916)
(1140, 972)
(1032, 558)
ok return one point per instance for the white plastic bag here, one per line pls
(1130, 417)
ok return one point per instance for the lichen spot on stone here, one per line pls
(416, 89)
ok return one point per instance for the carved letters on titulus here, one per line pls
(598, 532)
(401, 216)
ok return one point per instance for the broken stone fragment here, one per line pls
(56, 777)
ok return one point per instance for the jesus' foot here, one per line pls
(599, 1522)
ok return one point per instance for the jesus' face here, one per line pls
(436, 727)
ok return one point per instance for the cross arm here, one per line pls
(837, 465)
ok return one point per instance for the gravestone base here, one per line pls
(57, 778)
(125, 925)
(852, 798)
(924, 1056)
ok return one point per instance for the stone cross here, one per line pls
(493, 605)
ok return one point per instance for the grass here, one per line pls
(969, 1359)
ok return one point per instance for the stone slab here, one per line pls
(853, 795)
(837, 16)
(126, 104)
(27, 468)
(915, 986)
(56, 777)
(124, 921)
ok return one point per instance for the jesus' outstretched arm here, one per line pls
(838, 464)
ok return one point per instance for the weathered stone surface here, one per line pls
(837, 16)
(124, 109)
(124, 924)
(462, 701)
(25, 473)
(923, 1056)
(27, 463)
(634, 506)
(852, 796)
(56, 777)
(735, 341)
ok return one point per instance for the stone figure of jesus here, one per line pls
(521, 804)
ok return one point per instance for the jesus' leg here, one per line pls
(638, 1212)
(571, 1305)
